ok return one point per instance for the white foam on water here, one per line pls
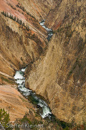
(18, 75)
(23, 70)
(23, 89)
(46, 112)
(50, 34)
(20, 80)
(40, 104)
(26, 92)
(42, 23)
(47, 29)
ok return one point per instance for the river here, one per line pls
(50, 32)
(20, 80)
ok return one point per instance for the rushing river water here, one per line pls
(20, 80)
(50, 32)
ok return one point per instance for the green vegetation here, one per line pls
(15, 19)
(12, 6)
(57, 124)
(61, 124)
(22, 99)
(4, 118)
(8, 80)
(17, 127)
(23, 9)
(19, 6)
(33, 100)
(68, 126)
(25, 120)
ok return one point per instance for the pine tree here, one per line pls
(4, 118)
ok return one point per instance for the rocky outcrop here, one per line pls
(64, 10)
(13, 102)
(18, 45)
(38, 9)
(22, 40)
(60, 75)
(21, 111)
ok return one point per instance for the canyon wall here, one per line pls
(38, 9)
(60, 75)
(57, 73)
(13, 102)
(22, 39)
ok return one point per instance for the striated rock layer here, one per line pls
(38, 9)
(60, 75)
(13, 102)
(22, 40)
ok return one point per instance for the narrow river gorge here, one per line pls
(27, 93)
(44, 110)
(43, 63)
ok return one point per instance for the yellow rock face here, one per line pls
(18, 46)
(13, 102)
(60, 75)
(59, 79)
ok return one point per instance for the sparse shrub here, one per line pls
(25, 120)
(4, 118)
(20, 21)
(23, 24)
(15, 19)
(4, 13)
(27, 28)
(17, 127)
(67, 128)
(11, 16)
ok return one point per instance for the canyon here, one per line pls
(56, 69)
(59, 76)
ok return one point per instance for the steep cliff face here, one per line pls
(65, 10)
(60, 75)
(38, 9)
(22, 40)
(19, 45)
(13, 102)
